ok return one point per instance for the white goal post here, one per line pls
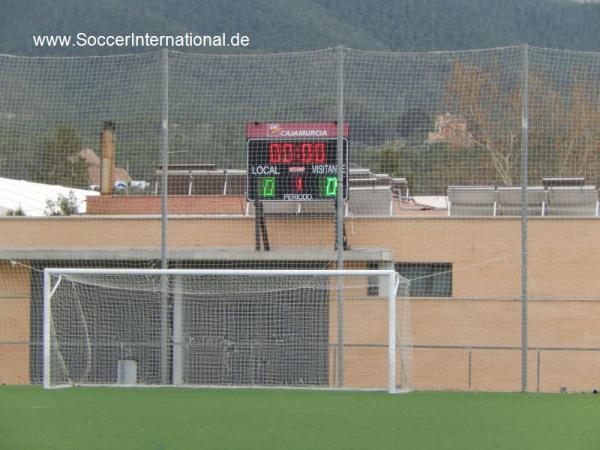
(330, 329)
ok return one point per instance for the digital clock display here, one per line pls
(297, 153)
(294, 169)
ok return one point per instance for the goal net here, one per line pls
(330, 329)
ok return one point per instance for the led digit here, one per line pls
(288, 152)
(274, 153)
(319, 153)
(307, 153)
(268, 186)
(331, 186)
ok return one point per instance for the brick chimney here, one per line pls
(108, 141)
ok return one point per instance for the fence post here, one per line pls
(339, 232)
(340, 158)
(524, 212)
(164, 261)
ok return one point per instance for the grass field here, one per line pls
(177, 419)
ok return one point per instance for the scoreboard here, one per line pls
(294, 161)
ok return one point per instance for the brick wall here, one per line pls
(468, 342)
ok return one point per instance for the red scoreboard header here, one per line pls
(293, 130)
(294, 161)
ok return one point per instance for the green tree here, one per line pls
(63, 206)
(18, 211)
(59, 161)
(389, 159)
(415, 124)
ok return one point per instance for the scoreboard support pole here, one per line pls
(260, 228)
(345, 244)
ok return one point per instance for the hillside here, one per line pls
(282, 25)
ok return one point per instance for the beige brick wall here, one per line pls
(471, 341)
(14, 324)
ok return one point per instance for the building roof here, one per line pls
(32, 198)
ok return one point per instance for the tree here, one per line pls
(565, 132)
(59, 161)
(18, 211)
(63, 206)
(415, 124)
(493, 114)
(563, 121)
(388, 160)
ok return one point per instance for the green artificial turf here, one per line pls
(177, 419)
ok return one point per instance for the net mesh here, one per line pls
(472, 173)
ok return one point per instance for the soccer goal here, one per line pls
(331, 329)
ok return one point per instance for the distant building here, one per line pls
(120, 175)
(452, 130)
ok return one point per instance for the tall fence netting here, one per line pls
(500, 255)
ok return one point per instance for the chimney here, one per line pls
(108, 143)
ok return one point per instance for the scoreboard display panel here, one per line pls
(295, 163)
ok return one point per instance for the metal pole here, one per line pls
(47, 328)
(164, 261)
(392, 289)
(524, 214)
(340, 211)
(221, 272)
(340, 159)
(177, 377)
